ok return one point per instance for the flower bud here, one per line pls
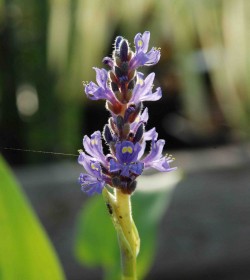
(119, 96)
(124, 47)
(119, 122)
(118, 61)
(131, 187)
(114, 87)
(107, 135)
(133, 116)
(118, 40)
(120, 74)
(139, 133)
(129, 94)
(132, 75)
(129, 111)
(113, 77)
(125, 130)
(124, 66)
(114, 108)
(112, 125)
(128, 186)
(108, 61)
(131, 84)
(116, 182)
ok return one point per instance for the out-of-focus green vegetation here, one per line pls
(25, 251)
(47, 49)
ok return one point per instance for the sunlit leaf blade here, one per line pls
(25, 251)
(95, 234)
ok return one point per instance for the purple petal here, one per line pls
(143, 90)
(144, 116)
(143, 147)
(101, 77)
(142, 41)
(114, 166)
(127, 152)
(137, 168)
(100, 91)
(140, 84)
(142, 57)
(90, 89)
(152, 57)
(156, 151)
(137, 60)
(94, 92)
(150, 96)
(93, 146)
(150, 135)
(161, 165)
(145, 39)
(148, 83)
(125, 170)
(91, 165)
(90, 185)
(155, 159)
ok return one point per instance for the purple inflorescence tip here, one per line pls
(124, 89)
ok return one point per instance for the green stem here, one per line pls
(126, 239)
(119, 207)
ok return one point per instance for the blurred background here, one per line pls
(48, 48)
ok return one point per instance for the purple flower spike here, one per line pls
(100, 91)
(93, 146)
(143, 89)
(142, 57)
(124, 89)
(94, 180)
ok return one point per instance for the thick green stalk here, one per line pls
(119, 207)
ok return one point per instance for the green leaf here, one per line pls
(148, 209)
(96, 241)
(25, 251)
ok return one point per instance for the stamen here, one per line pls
(85, 83)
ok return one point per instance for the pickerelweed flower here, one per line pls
(124, 89)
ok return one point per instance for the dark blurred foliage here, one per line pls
(47, 48)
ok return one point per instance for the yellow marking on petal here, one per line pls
(94, 141)
(127, 149)
(140, 43)
(94, 167)
(124, 150)
(140, 81)
(130, 150)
